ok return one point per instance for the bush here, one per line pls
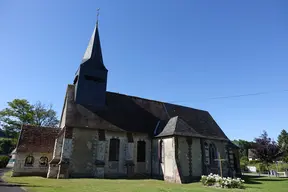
(280, 167)
(217, 181)
(243, 163)
(254, 162)
(7, 145)
(4, 161)
(261, 168)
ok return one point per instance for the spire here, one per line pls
(93, 53)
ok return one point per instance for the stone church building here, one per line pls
(105, 134)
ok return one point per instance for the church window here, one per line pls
(95, 79)
(43, 161)
(130, 137)
(101, 135)
(231, 157)
(161, 149)
(29, 160)
(206, 149)
(212, 153)
(141, 151)
(114, 149)
(235, 162)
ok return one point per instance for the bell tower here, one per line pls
(91, 77)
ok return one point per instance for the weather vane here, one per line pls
(98, 10)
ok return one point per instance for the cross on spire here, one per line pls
(97, 18)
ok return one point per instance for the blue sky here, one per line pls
(185, 52)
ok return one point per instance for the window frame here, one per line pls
(114, 150)
(141, 156)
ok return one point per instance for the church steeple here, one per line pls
(93, 52)
(91, 78)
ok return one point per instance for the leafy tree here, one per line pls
(20, 111)
(265, 149)
(44, 115)
(244, 146)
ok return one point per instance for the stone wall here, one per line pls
(196, 158)
(183, 156)
(63, 117)
(53, 169)
(213, 166)
(169, 165)
(90, 154)
(190, 158)
(20, 169)
(157, 171)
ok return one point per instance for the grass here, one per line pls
(38, 184)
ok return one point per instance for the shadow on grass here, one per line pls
(110, 177)
(260, 179)
(274, 179)
(251, 181)
(18, 185)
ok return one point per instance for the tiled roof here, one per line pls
(37, 139)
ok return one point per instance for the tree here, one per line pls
(7, 145)
(265, 149)
(20, 111)
(283, 144)
(244, 146)
(283, 140)
(44, 115)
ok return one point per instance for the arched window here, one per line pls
(114, 149)
(206, 149)
(29, 160)
(43, 161)
(141, 151)
(212, 153)
(161, 151)
(235, 162)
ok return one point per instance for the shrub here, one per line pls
(243, 163)
(279, 167)
(4, 161)
(7, 145)
(217, 181)
(261, 168)
(254, 162)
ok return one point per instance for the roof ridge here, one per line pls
(156, 101)
(37, 126)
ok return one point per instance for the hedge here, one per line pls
(4, 161)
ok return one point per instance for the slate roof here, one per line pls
(135, 114)
(176, 126)
(93, 52)
(37, 139)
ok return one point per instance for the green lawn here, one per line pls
(38, 184)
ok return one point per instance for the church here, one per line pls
(104, 134)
